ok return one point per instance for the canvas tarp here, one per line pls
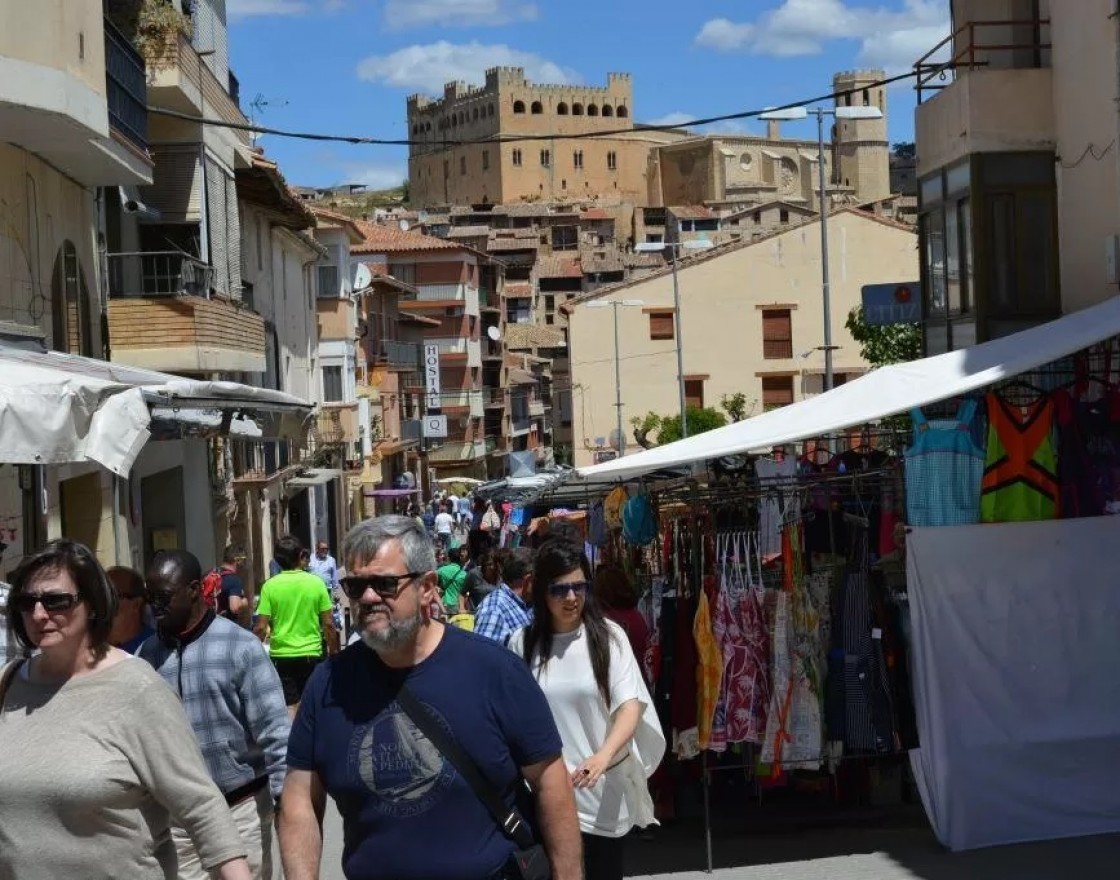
(883, 392)
(1014, 660)
(57, 408)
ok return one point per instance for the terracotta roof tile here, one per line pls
(609, 262)
(559, 266)
(530, 336)
(691, 212)
(391, 239)
(508, 243)
(468, 231)
(518, 289)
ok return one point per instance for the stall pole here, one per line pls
(706, 782)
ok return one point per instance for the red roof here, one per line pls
(595, 214)
(692, 212)
(518, 289)
(392, 239)
(556, 266)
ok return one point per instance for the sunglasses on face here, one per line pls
(560, 591)
(387, 586)
(53, 603)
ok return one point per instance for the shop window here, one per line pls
(777, 334)
(777, 391)
(661, 325)
(694, 393)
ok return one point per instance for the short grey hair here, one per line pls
(364, 541)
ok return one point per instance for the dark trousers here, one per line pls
(602, 857)
(294, 673)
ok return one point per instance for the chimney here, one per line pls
(773, 130)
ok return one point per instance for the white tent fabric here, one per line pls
(1014, 657)
(57, 408)
(881, 393)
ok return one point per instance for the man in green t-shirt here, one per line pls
(294, 614)
(453, 578)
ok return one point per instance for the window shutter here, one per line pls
(233, 238)
(216, 225)
(661, 325)
(777, 334)
(176, 189)
(776, 391)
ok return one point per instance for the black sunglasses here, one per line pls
(52, 603)
(387, 586)
(560, 591)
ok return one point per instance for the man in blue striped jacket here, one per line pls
(233, 698)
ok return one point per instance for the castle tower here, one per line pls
(861, 147)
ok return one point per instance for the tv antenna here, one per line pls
(258, 105)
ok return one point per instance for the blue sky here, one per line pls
(346, 66)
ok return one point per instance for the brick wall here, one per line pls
(183, 321)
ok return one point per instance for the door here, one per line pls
(81, 502)
(162, 515)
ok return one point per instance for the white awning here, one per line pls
(57, 408)
(883, 392)
(313, 477)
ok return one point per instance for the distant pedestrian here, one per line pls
(323, 564)
(445, 524)
(232, 603)
(233, 699)
(295, 615)
(131, 624)
(408, 812)
(510, 606)
(97, 757)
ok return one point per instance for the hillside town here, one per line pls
(791, 445)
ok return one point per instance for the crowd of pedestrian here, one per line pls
(524, 747)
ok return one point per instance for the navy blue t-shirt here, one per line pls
(406, 812)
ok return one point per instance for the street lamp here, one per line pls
(615, 304)
(791, 113)
(699, 244)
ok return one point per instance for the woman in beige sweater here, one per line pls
(97, 757)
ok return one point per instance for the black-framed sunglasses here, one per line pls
(387, 586)
(53, 603)
(560, 591)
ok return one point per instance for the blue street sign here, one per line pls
(899, 303)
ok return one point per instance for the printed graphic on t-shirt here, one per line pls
(396, 762)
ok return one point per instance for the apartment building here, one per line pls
(1017, 168)
(91, 269)
(752, 319)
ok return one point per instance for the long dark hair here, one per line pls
(556, 558)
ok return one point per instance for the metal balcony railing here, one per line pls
(158, 273)
(403, 355)
(1027, 46)
(126, 87)
(411, 429)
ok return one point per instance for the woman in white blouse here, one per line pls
(612, 738)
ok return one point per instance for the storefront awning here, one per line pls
(314, 477)
(883, 392)
(57, 408)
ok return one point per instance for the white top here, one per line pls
(444, 523)
(621, 799)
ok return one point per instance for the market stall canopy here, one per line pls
(57, 408)
(883, 392)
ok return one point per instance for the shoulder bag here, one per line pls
(529, 862)
(8, 677)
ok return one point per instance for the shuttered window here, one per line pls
(776, 391)
(694, 393)
(224, 229)
(233, 238)
(777, 334)
(176, 189)
(661, 325)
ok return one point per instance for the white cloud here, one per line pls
(400, 14)
(259, 8)
(890, 36)
(676, 118)
(428, 67)
(377, 175)
(731, 126)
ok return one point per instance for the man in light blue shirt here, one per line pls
(323, 564)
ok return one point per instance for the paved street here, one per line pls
(836, 854)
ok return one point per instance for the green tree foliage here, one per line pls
(891, 344)
(668, 428)
(735, 405)
(905, 149)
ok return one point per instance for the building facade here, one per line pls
(752, 320)
(1017, 171)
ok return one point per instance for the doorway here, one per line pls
(162, 514)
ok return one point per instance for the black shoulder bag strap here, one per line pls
(508, 819)
(8, 677)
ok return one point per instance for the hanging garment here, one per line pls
(777, 480)
(1020, 481)
(709, 673)
(740, 629)
(684, 694)
(1088, 454)
(944, 467)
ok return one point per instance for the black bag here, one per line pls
(529, 862)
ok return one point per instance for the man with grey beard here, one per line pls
(397, 792)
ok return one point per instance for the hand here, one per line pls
(590, 771)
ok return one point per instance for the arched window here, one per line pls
(561, 109)
(608, 110)
(592, 110)
(577, 109)
(518, 106)
(622, 113)
(71, 320)
(537, 108)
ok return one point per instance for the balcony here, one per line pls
(458, 450)
(163, 316)
(126, 88)
(494, 398)
(411, 430)
(998, 99)
(491, 350)
(400, 356)
(536, 408)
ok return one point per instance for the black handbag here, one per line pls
(529, 862)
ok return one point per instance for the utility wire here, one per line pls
(408, 142)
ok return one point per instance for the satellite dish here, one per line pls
(403, 224)
(362, 277)
(494, 333)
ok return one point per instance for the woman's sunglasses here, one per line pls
(387, 586)
(560, 591)
(52, 603)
